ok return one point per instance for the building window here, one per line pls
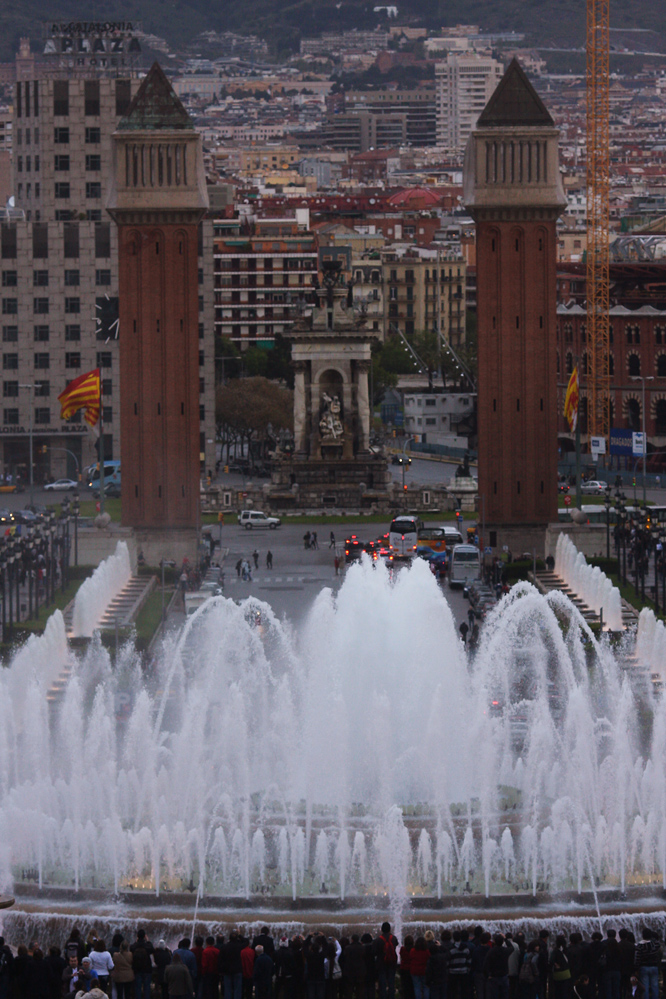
(11, 417)
(634, 365)
(91, 98)
(40, 279)
(93, 189)
(41, 334)
(633, 415)
(43, 389)
(72, 305)
(62, 189)
(123, 97)
(107, 414)
(93, 136)
(103, 277)
(103, 240)
(40, 306)
(10, 306)
(72, 333)
(94, 214)
(201, 358)
(42, 414)
(202, 412)
(61, 98)
(61, 163)
(61, 136)
(72, 278)
(10, 362)
(10, 334)
(569, 364)
(71, 241)
(9, 279)
(72, 359)
(10, 390)
(94, 163)
(104, 359)
(42, 361)
(107, 386)
(8, 244)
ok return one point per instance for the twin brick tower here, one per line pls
(158, 196)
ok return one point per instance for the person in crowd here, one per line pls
(353, 968)
(386, 948)
(187, 958)
(142, 965)
(437, 970)
(560, 970)
(648, 961)
(265, 940)
(496, 969)
(231, 967)
(528, 976)
(262, 973)
(122, 974)
(460, 966)
(87, 978)
(627, 945)
(57, 965)
(418, 963)
(611, 964)
(162, 958)
(178, 979)
(247, 957)
(210, 970)
(101, 962)
(404, 967)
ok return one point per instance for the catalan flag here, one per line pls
(571, 400)
(83, 393)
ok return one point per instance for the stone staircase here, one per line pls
(547, 581)
(57, 688)
(123, 609)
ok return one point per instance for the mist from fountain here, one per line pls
(588, 582)
(365, 756)
(96, 593)
(651, 642)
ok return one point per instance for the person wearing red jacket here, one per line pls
(418, 962)
(247, 956)
(210, 969)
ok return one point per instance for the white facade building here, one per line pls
(465, 83)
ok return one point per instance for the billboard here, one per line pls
(93, 43)
(621, 442)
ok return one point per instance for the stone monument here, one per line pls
(332, 464)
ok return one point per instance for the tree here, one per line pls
(253, 412)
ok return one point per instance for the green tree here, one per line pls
(253, 411)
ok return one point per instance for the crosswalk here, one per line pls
(270, 579)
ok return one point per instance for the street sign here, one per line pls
(487, 551)
(597, 445)
(567, 500)
(621, 442)
(637, 444)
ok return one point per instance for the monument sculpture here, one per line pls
(332, 464)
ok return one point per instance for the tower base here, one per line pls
(159, 543)
(519, 539)
(338, 484)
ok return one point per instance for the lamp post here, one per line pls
(31, 386)
(643, 379)
(607, 504)
(657, 553)
(407, 441)
(76, 509)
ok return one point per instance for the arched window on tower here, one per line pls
(659, 335)
(660, 416)
(558, 362)
(582, 414)
(611, 365)
(661, 366)
(634, 364)
(584, 364)
(611, 414)
(569, 363)
(633, 415)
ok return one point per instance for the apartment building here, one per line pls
(418, 104)
(263, 275)
(424, 289)
(59, 267)
(361, 130)
(464, 85)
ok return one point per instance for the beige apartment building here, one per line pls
(464, 85)
(424, 290)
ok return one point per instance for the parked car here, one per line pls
(62, 485)
(250, 519)
(593, 488)
(563, 487)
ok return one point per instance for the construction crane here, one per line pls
(598, 182)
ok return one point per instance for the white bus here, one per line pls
(403, 536)
(464, 565)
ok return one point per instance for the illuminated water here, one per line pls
(363, 756)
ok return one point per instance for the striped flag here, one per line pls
(83, 393)
(571, 401)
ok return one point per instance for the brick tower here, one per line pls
(513, 190)
(157, 197)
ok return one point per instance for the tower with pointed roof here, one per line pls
(158, 197)
(513, 189)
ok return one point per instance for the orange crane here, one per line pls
(598, 182)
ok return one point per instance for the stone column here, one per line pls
(363, 403)
(300, 408)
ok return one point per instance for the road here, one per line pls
(298, 574)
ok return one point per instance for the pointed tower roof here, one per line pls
(155, 106)
(515, 103)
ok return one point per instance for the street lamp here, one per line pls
(607, 504)
(643, 379)
(76, 509)
(31, 386)
(407, 441)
